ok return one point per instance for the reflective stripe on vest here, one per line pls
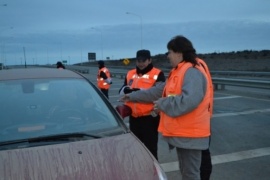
(145, 81)
(101, 83)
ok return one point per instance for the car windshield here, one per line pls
(35, 108)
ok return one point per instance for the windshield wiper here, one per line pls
(50, 138)
(66, 135)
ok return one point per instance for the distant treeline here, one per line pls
(245, 54)
(246, 60)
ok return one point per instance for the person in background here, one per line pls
(185, 104)
(142, 123)
(104, 79)
(60, 65)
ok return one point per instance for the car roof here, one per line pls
(37, 73)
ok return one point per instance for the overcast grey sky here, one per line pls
(51, 30)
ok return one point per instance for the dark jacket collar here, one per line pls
(145, 70)
(101, 66)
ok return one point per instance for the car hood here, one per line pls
(118, 157)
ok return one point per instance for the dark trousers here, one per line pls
(206, 165)
(145, 128)
(105, 92)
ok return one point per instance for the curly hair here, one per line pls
(182, 45)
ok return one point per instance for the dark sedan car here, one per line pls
(55, 124)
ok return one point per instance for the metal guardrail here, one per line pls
(219, 83)
(83, 71)
(220, 73)
(240, 73)
(234, 73)
(118, 75)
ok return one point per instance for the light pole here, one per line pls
(141, 26)
(101, 41)
(81, 50)
(4, 56)
(47, 57)
(24, 57)
(3, 53)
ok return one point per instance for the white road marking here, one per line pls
(228, 97)
(241, 113)
(224, 158)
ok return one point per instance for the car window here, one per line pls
(32, 108)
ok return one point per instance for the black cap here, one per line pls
(143, 54)
(101, 62)
(59, 63)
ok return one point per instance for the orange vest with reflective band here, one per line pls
(145, 81)
(196, 123)
(102, 84)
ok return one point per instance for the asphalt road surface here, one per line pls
(240, 142)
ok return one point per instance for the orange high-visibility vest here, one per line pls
(102, 84)
(196, 123)
(145, 81)
(210, 82)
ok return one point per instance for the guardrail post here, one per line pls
(222, 86)
(215, 86)
(219, 86)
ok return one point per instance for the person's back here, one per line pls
(60, 65)
(104, 79)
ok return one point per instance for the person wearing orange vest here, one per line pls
(185, 104)
(142, 123)
(104, 79)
